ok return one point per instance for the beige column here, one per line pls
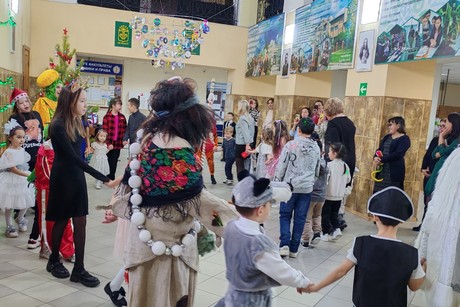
(403, 89)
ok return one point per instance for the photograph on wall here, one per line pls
(324, 36)
(415, 30)
(364, 51)
(265, 41)
(286, 62)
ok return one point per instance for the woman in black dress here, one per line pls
(68, 197)
(393, 146)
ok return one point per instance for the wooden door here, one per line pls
(25, 67)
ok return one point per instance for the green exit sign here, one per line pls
(362, 89)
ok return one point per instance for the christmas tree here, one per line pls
(65, 57)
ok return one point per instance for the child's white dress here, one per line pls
(263, 150)
(15, 190)
(99, 160)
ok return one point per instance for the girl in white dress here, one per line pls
(15, 192)
(99, 160)
(265, 151)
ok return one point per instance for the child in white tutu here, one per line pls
(15, 192)
(99, 160)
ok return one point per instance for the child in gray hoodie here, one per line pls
(298, 165)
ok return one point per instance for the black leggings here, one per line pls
(79, 238)
(239, 160)
(112, 157)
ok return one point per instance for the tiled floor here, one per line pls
(24, 281)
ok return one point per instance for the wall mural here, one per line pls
(415, 30)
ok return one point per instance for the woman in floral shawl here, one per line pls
(163, 270)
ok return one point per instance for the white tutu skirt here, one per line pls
(15, 192)
(100, 163)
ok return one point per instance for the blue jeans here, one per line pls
(299, 204)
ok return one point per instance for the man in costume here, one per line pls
(45, 106)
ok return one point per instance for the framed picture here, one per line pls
(90, 80)
(285, 63)
(100, 80)
(364, 52)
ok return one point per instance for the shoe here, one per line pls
(304, 243)
(84, 278)
(213, 180)
(284, 251)
(70, 259)
(22, 224)
(336, 234)
(32, 244)
(11, 232)
(229, 182)
(44, 253)
(225, 181)
(325, 237)
(316, 238)
(417, 228)
(293, 255)
(114, 295)
(223, 160)
(57, 269)
(98, 186)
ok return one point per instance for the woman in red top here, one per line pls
(114, 123)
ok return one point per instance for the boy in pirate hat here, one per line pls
(252, 255)
(384, 265)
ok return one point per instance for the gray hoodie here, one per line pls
(299, 164)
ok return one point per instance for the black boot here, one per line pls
(213, 180)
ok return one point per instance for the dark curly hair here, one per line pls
(176, 112)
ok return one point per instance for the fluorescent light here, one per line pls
(370, 12)
(289, 34)
(14, 6)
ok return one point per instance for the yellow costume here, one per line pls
(46, 108)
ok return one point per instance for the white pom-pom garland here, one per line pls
(138, 218)
(145, 235)
(158, 248)
(135, 164)
(134, 181)
(135, 148)
(176, 250)
(136, 199)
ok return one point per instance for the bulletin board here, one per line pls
(102, 88)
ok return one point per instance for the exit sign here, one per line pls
(362, 89)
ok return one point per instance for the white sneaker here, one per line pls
(336, 234)
(284, 251)
(325, 237)
(22, 224)
(98, 185)
(293, 255)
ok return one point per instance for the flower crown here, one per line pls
(10, 125)
(79, 83)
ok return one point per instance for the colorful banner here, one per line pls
(324, 36)
(414, 30)
(265, 41)
(123, 34)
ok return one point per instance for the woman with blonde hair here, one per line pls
(244, 134)
(340, 129)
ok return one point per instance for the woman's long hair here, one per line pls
(65, 110)
(281, 131)
(454, 119)
(172, 116)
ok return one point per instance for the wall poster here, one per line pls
(364, 51)
(324, 36)
(414, 30)
(265, 41)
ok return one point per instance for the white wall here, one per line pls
(8, 60)
(452, 95)
(290, 5)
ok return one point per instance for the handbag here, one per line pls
(120, 199)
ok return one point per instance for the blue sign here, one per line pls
(102, 68)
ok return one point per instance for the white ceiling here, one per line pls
(451, 70)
